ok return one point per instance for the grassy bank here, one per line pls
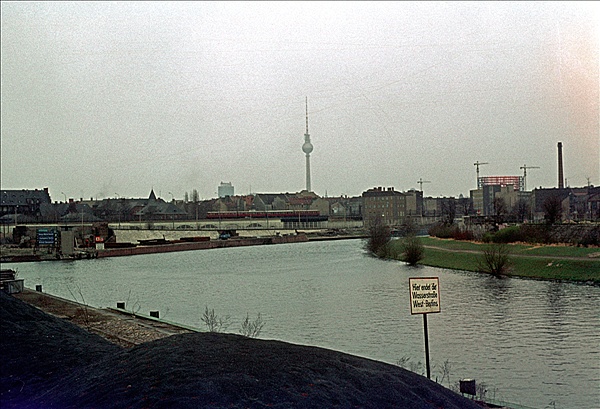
(543, 262)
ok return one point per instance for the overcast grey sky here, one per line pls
(115, 98)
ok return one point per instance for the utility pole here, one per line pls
(477, 165)
(525, 167)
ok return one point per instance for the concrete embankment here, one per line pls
(120, 326)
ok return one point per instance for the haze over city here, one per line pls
(105, 99)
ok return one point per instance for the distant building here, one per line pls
(158, 209)
(226, 189)
(487, 188)
(24, 202)
(388, 204)
(414, 203)
(516, 181)
(344, 207)
(578, 203)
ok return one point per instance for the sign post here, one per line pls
(425, 299)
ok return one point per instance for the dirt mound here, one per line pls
(55, 364)
(38, 350)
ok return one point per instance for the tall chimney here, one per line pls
(561, 177)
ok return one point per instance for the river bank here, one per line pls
(136, 242)
(53, 363)
(549, 262)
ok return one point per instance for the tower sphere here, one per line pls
(307, 147)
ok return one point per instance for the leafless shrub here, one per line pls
(252, 329)
(379, 236)
(445, 368)
(82, 313)
(213, 322)
(495, 260)
(412, 250)
(135, 307)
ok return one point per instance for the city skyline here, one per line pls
(105, 99)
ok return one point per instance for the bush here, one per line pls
(412, 250)
(495, 259)
(487, 237)
(536, 233)
(445, 231)
(379, 236)
(442, 231)
(510, 234)
(465, 235)
(213, 322)
(591, 238)
(252, 329)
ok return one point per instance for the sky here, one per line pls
(113, 99)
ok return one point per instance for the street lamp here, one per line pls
(63, 193)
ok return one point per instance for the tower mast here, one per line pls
(307, 148)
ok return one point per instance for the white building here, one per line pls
(225, 189)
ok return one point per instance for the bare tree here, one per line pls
(448, 211)
(495, 259)
(499, 210)
(412, 250)
(521, 210)
(552, 209)
(379, 235)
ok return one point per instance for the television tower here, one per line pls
(307, 148)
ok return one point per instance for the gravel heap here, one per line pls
(48, 362)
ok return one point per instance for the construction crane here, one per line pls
(421, 181)
(525, 167)
(477, 164)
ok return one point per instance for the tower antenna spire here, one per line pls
(307, 115)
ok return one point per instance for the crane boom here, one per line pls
(525, 167)
(477, 165)
(421, 181)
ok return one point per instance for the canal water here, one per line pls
(535, 343)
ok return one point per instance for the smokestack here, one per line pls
(561, 177)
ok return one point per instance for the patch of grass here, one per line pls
(454, 261)
(451, 244)
(560, 251)
(548, 266)
(553, 269)
(527, 249)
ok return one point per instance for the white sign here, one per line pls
(424, 295)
